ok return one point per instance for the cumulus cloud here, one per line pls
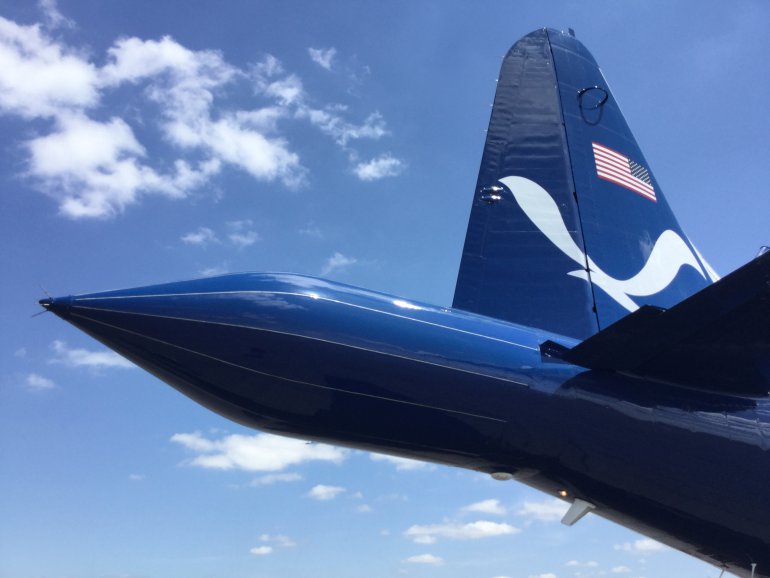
(642, 546)
(325, 493)
(52, 17)
(87, 358)
(241, 235)
(620, 570)
(487, 507)
(429, 559)
(202, 236)
(312, 232)
(579, 564)
(331, 123)
(337, 262)
(261, 550)
(321, 57)
(401, 464)
(270, 479)
(220, 269)
(457, 531)
(260, 452)
(379, 168)
(40, 78)
(545, 511)
(37, 382)
(278, 540)
(95, 167)
(190, 74)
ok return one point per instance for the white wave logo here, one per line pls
(669, 254)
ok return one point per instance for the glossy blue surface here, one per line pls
(305, 357)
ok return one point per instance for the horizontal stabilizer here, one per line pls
(716, 340)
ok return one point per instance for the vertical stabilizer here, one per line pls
(569, 230)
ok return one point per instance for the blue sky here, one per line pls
(145, 142)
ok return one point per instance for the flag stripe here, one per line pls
(626, 182)
(624, 175)
(619, 169)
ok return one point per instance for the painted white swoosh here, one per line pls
(669, 254)
(543, 211)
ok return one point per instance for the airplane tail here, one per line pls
(569, 230)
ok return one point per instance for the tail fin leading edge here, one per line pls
(569, 230)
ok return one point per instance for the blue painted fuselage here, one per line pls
(310, 358)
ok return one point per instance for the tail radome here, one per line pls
(569, 230)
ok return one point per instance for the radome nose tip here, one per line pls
(57, 305)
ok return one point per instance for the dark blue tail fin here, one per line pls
(569, 230)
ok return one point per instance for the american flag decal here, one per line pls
(621, 170)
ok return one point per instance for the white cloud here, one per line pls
(202, 236)
(86, 358)
(402, 464)
(220, 269)
(183, 83)
(192, 73)
(244, 239)
(261, 550)
(642, 546)
(95, 168)
(502, 577)
(321, 57)
(92, 168)
(136, 477)
(53, 18)
(545, 511)
(331, 123)
(266, 68)
(260, 452)
(324, 493)
(270, 479)
(457, 531)
(337, 262)
(429, 559)
(241, 235)
(287, 90)
(379, 168)
(40, 78)
(364, 509)
(262, 157)
(37, 382)
(278, 540)
(312, 231)
(487, 507)
(579, 564)
(620, 570)
(546, 575)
